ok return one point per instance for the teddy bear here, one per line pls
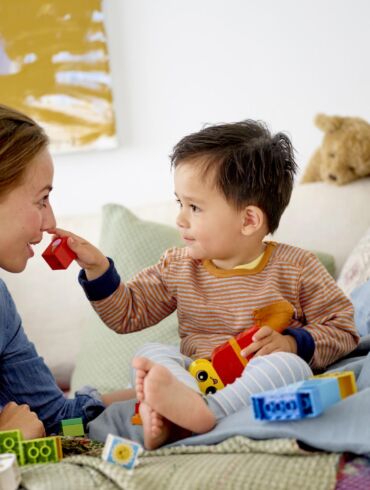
(344, 154)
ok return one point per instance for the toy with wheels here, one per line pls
(226, 362)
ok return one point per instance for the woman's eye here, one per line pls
(43, 202)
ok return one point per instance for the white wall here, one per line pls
(179, 64)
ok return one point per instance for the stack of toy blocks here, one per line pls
(304, 399)
(43, 450)
(227, 362)
(296, 401)
(73, 427)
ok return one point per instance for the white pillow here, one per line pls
(356, 270)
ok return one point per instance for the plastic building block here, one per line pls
(346, 381)
(296, 401)
(121, 451)
(43, 450)
(227, 360)
(10, 442)
(73, 427)
(10, 477)
(58, 255)
(206, 376)
(136, 418)
(227, 363)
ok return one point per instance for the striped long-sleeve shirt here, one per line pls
(214, 304)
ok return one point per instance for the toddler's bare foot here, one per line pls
(157, 430)
(173, 399)
(139, 381)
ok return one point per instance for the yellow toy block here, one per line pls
(346, 381)
(205, 374)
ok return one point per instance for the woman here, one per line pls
(29, 397)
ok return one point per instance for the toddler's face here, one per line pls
(209, 225)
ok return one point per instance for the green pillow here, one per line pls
(327, 261)
(105, 356)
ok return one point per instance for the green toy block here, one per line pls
(43, 450)
(73, 427)
(10, 442)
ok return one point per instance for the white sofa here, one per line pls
(319, 217)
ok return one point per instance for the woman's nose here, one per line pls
(49, 219)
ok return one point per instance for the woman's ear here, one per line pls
(253, 219)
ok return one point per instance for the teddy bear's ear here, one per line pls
(328, 123)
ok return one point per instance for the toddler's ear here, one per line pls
(253, 219)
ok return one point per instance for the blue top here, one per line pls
(25, 378)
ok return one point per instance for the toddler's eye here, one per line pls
(194, 208)
(179, 202)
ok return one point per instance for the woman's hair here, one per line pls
(21, 139)
(250, 166)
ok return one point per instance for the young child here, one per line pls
(232, 183)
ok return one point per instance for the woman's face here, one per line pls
(25, 213)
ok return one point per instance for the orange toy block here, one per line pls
(346, 381)
(58, 255)
(136, 419)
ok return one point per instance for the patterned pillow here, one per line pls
(360, 297)
(356, 269)
(105, 356)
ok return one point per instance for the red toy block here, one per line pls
(58, 255)
(227, 360)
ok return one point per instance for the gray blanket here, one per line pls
(343, 427)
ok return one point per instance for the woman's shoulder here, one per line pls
(6, 301)
(4, 292)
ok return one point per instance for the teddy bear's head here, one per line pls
(344, 154)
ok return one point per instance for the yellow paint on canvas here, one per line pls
(54, 66)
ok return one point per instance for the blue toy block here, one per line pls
(296, 401)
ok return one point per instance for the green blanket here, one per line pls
(237, 463)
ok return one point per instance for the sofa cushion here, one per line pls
(133, 244)
(360, 297)
(327, 218)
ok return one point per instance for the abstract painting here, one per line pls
(54, 66)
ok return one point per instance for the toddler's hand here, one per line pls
(267, 341)
(89, 257)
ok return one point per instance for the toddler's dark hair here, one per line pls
(251, 166)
